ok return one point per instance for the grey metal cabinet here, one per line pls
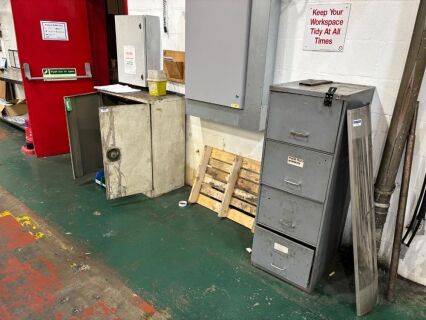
(230, 58)
(138, 47)
(304, 191)
(139, 140)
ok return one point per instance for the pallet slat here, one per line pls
(251, 165)
(248, 186)
(226, 167)
(217, 174)
(241, 218)
(232, 179)
(247, 207)
(228, 184)
(250, 175)
(209, 203)
(247, 197)
(212, 193)
(200, 175)
(223, 155)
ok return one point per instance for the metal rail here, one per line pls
(28, 75)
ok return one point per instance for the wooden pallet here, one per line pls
(227, 184)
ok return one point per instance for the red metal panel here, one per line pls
(96, 10)
(45, 99)
(125, 7)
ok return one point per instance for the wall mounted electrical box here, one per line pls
(138, 48)
(230, 57)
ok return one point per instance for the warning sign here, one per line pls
(326, 26)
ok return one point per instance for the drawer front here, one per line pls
(292, 215)
(282, 257)
(303, 120)
(296, 170)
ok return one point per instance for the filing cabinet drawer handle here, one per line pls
(296, 184)
(288, 224)
(300, 134)
(276, 267)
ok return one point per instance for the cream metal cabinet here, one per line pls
(139, 140)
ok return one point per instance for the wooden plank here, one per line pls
(214, 183)
(217, 174)
(250, 175)
(248, 186)
(209, 203)
(200, 175)
(246, 196)
(212, 193)
(240, 218)
(174, 65)
(251, 165)
(232, 179)
(244, 206)
(223, 155)
(226, 167)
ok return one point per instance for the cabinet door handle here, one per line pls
(296, 184)
(276, 267)
(301, 134)
(113, 154)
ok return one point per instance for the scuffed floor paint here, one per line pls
(37, 280)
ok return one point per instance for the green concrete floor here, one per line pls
(184, 260)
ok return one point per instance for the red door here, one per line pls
(56, 34)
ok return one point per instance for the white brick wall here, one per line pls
(377, 42)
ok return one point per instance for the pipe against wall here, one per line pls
(401, 119)
(399, 225)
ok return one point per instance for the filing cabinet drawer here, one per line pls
(304, 120)
(282, 257)
(292, 215)
(296, 170)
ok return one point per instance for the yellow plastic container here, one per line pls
(157, 88)
(157, 83)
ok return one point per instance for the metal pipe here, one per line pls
(399, 225)
(401, 119)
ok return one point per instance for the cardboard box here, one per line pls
(2, 89)
(18, 108)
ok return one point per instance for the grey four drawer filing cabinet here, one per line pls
(304, 192)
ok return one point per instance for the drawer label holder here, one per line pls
(280, 248)
(294, 161)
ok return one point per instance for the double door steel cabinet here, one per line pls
(139, 140)
(304, 192)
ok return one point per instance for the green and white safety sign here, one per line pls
(59, 73)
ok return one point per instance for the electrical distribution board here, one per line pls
(304, 187)
(138, 48)
(230, 58)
